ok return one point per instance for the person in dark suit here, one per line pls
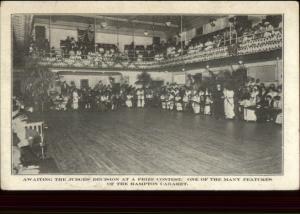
(218, 102)
(264, 109)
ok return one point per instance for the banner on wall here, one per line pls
(179, 79)
(216, 25)
(265, 73)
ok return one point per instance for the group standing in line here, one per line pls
(251, 102)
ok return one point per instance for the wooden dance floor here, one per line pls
(153, 141)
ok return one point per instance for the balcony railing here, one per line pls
(248, 44)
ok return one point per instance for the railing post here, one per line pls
(95, 34)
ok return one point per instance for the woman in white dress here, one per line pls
(250, 105)
(129, 100)
(229, 103)
(178, 101)
(149, 97)
(75, 100)
(186, 99)
(277, 105)
(196, 102)
(171, 101)
(208, 102)
(163, 101)
(140, 98)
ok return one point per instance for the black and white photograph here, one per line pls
(148, 94)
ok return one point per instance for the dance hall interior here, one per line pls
(145, 94)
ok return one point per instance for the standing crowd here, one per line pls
(252, 101)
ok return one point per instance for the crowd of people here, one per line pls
(84, 53)
(250, 102)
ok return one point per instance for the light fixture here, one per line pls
(168, 24)
(240, 62)
(146, 33)
(104, 24)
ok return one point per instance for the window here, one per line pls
(84, 83)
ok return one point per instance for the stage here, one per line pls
(153, 142)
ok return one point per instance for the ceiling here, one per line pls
(161, 19)
(147, 22)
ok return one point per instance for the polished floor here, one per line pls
(153, 141)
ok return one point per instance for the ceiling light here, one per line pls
(168, 24)
(146, 33)
(104, 24)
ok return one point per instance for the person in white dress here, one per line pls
(129, 100)
(196, 102)
(171, 101)
(178, 102)
(163, 101)
(250, 105)
(149, 97)
(186, 99)
(208, 102)
(229, 103)
(140, 98)
(75, 99)
(277, 105)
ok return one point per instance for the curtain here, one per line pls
(28, 28)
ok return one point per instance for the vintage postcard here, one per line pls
(149, 95)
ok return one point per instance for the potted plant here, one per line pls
(37, 84)
(144, 79)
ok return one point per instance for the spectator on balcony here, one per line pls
(280, 25)
(219, 40)
(52, 52)
(78, 54)
(262, 28)
(268, 34)
(71, 53)
(31, 49)
(246, 37)
(209, 44)
(73, 43)
(269, 27)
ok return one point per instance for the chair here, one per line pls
(39, 128)
(249, 114)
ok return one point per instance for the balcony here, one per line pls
(242, 46)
